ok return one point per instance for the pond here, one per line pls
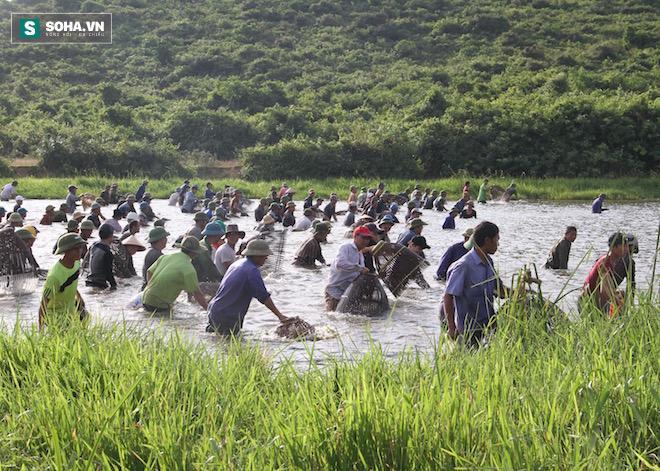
(527, 229)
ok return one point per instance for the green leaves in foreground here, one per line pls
(585, 395)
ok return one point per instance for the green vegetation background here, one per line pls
(341, 88)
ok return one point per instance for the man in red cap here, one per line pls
(347, 266)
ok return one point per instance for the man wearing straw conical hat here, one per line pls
(60, 293)
(241, 283)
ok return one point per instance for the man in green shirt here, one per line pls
(483, 189)
(61, 300)
(558, 258)
(171, 274)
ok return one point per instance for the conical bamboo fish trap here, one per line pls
(364, 296)
(18, 273)
(397, 266)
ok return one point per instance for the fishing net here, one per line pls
(18, 268)
(276, 241)
(496, 192)
(397, 266)
(364, 296)
(122, 262)
(296, 328)
(87, 200)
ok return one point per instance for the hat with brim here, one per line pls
(290, 191)
(143, 205)
(19, 198)
(322, 228)
(468, 232)
(159, 223)
(291, 204)
(72, 225)
(33, 230)
(374, 228)
(201, 216)
(15, 217)
(420, 241)
(469, 243)
(213, 229)
(454, 210)
(416, 222)
(274, 207)
(22, 211)
(132, 216)
(96, 206)
(191, 244)
(78, 215)
(24, 234)
(308, 212)
(156, 234)
(68, 242)
(386, 220)
(233, 229)
(130, 198)
(87, 225)
(135, 242)
(71, 187)
(257, 248)
(212, 205)
(268, 219)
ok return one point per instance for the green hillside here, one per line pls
(340, 88)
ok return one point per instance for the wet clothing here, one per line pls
(140, 192)
(100, 266)
(350, 219)
(8, 192)
(114, 223)
(428, 203)
(329, 211)
(96, 220)
(259, 213)
(126, 208)
(449, 223)
(170, 274)
(188, 205)
(152, 255)
(345, 268)
(204, 266)
(483, 189)
(60, 216)
(71, 200)
(625, 268)
(597, 206)
(289, 220)
(304, 224)
(465, 215)
(225, 254)
(440, 203)
(194, 231)
(602, 268)
(47, 220)
(473, 285)
(309, 201)
(105, 195)
(405, 237)
(452, 254)
(209, 194)
(228, 308)
(460, 205)
(60, 289)
(558, 257)
(112, 196)
(308, 252)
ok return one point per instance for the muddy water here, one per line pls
(527, 232)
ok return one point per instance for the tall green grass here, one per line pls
(585, 396)
(559, 189)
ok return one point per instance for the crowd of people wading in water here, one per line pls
(223, 275)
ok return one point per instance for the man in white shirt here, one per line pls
(305, 222)
(226, 254)
(347, 266)
(9, 191)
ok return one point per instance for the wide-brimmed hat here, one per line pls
(22, 211)
(257, 248)
(15, 217)
(387, 219)
(132, 216)
(212, 205)
(95, 206)
(420, 241)
(268, 219)
(274, 207)
(220, 211)
(87, 225)
(291, 204)
(19, 198)
(454, 210)
(233, 229)
(64, 207)
(156, 234)
(159, 222)
(143, 205)
(33, 230)
(78, 215)
(201, 216)
(147, 196)
(322, 227)
(363, 231)
(191, 244)
(352, 204)
(213, 229)
(394, 208)
(290, 191)
(68, 242)
(308, 212)
(374, 228)
(24, 234)
(416, 222)
(72, 225)
(100, 201)
(135, 242)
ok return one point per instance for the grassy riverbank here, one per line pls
(585, 396)
(559, 189)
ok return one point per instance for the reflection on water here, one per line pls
(527, 232)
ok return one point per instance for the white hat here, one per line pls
(132, 240)
(132, 216)
(19, 198)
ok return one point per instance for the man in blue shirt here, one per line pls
(72, 199)
(415, 227)
(241, 283)
(597, 205)
(471, 287)
(140, 191)
(453, 253)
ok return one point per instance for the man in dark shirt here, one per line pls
(330, 209)
(453, 253)
(310, 250)
(260, 210)
(158, 241)
(558, 258)
(100, 261)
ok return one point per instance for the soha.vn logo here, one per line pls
(30, 28)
